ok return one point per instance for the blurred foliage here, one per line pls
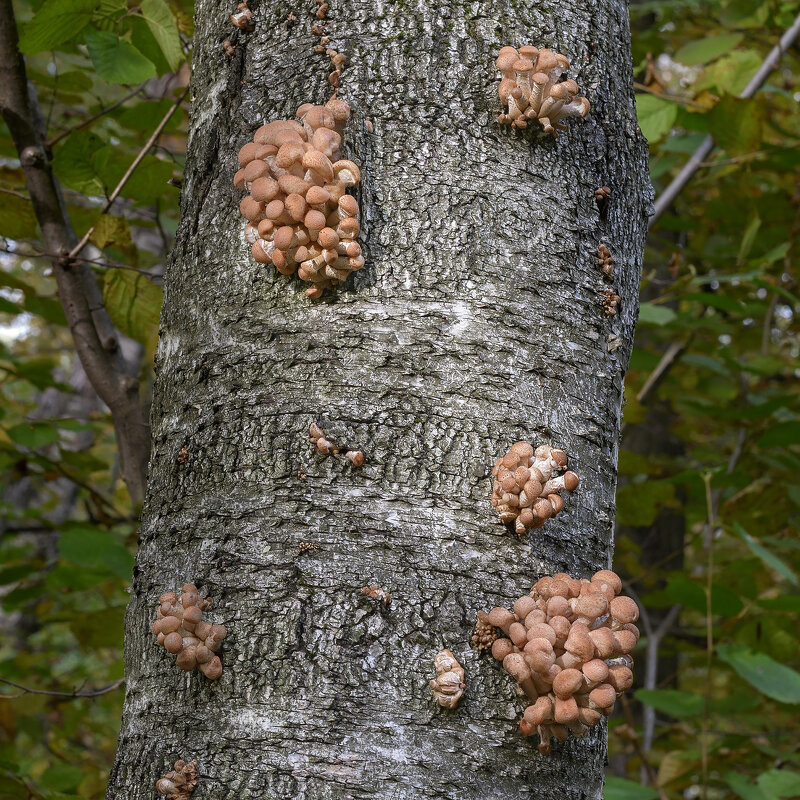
(718, 280)
(105, 72)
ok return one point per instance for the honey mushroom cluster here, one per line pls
(181, 631)
(605, 261)
(298, 214)
(569, 650)
(179, 782)
(526, 485)
(531, 91)
(448, 686)
(610, 300)
(485, 634)
(327, 447)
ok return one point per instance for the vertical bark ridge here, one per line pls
(476, 321)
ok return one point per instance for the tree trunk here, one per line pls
(476, 321)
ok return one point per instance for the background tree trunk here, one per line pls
(476, 321)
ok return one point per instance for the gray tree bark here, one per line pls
(477, 321)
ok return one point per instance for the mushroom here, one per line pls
(180, 629)
(179, 782)
(448, 686)
(526, 485)
(530, 91)
(297, 178)
(574, 660)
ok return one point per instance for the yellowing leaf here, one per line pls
(133, 302)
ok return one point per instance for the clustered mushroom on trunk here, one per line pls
(532, 92)
(179, 782)
(181, 630)
(568, 648)
(299, 215)
(527, 483)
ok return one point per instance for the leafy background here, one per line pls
(708, 502)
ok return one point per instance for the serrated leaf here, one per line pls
(652, 314)
(702, 51)
(656, 116)
(116, 60)
(623, 789)
(736, 125)
(133, 303)
(671, 701)
(33, 434)
(57, 21)
(764, 673)
(770, 559)
(162, 25)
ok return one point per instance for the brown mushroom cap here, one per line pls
(567, 682)
(620, 677)
(591, 606)
(514, 664)
(524, 605)
(264, 189)
(501, 648)
(624, 610)
(173, 642)
(596, 670)
(565, 710)
(603, 696)
(609, 577)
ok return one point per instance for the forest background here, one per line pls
(708, 501)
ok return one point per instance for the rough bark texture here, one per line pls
(477, 321)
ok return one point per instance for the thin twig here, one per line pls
(142, 153)
(101, 264)
(89, 120)
(16, 194)
(667, 197)
(64, 695)
(671, 355)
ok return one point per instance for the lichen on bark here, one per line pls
(475, 322)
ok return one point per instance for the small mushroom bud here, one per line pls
(356, 457)
(501, 648)
(187, 658)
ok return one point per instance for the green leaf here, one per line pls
(162, 25)
(57, 21)
(95, 548)
(33, 434)
(61, 777)
(671, 701)
(622, 789)
(95, 629)
(638, 504)
(768, 676)
(784, 603)
(652, 314)
(17, 220)
(687, 592)
(746, 790)
(780, 782)
(702, 51)
(73, 162)
(749, 237)
(133, 303)
(770, 559)
(731, 73)
(45, 307)
(110, 230)
(780, 435)
(116, 60)
(736, 125)
(656, 116)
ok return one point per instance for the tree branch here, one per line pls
(92, 331)
(667, 197)
(89, 120)
(64, 695)
(142, 153)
